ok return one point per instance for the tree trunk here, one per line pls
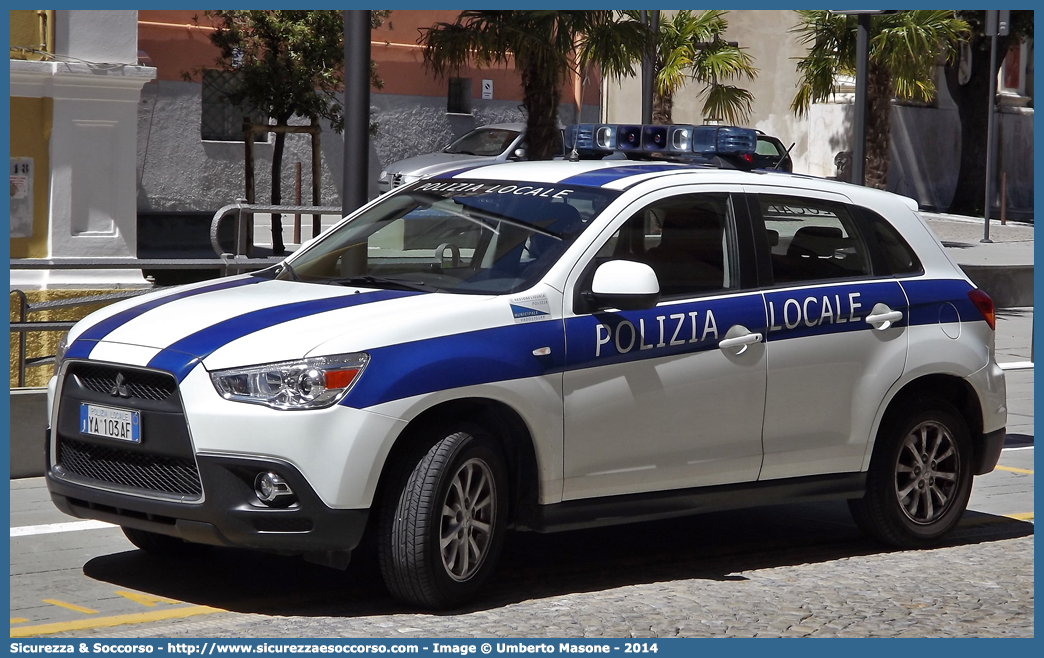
(972, 100)
(663, 106)
(878, 126)
(277, 189)
(541, 98)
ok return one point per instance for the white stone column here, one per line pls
(96, 85)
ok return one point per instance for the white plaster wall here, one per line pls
(109, 36)
(92, 145)
(179, 171)
(764, 33)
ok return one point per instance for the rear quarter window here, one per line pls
(898, 256)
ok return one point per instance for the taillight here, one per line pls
(749, 157)
(983, 302)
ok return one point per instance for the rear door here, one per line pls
(837, 333)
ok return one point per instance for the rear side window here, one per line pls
(897, 254)
(812, 240)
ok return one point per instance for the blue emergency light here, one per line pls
(671, 140)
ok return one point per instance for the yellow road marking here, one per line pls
(71, 606)
(18, 620)
(984, 520)
(117, 620)
(146, 599)
(1013, 470)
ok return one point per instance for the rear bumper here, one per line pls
(987, 454)
(230, 513)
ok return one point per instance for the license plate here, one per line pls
(122, 424)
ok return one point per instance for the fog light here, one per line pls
(272, 489)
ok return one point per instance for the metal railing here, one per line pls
(226, 263)
(23, 326)
(243, 211)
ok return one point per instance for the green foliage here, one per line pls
(291, 61)
(905, 45)
(545, 47)
(690, 47)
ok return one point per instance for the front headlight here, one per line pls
(384, 175)
(312, 383)
(59, 352)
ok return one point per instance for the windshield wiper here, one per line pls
(382, 282)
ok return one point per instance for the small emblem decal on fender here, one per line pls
(532, 308)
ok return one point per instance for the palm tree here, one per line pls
(690, 47)
(904, 50)
(546, 46)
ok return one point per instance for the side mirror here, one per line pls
(519, 153)
(624, 284)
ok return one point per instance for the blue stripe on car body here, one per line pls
(477, 357)
(829, 309)
(929, 297)
(85, 342)
(462, 170)
(600, 177)
(182, 356)
(505, 353)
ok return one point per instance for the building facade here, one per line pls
(75, 87)
(191, 156)
(925, 141)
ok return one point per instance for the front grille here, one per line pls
(396, 180)
(169, 475)
(139, 384)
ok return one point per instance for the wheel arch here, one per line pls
(951, 388)
(502, 421)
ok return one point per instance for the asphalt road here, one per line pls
(788, 570)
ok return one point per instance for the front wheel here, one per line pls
(920, 477)
(442, 525)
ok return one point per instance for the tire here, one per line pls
(920, 477)
(442, 522)
(157, 544)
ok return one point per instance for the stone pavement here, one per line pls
(1002, 267)
(851, 590)
(1012, 243)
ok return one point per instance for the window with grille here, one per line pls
(221, 120)
(459, 98)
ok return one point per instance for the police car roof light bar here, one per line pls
(675, 140)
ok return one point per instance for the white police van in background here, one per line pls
(542, 346)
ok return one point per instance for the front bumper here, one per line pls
(229, 513)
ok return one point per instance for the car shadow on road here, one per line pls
(718, 546)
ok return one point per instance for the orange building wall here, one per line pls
(177, 46)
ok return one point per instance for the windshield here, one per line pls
(484, 141)
(478, 237)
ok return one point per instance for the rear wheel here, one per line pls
(157, 544)
(442, 523)
(920, 476)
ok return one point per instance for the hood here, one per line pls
(437, 163)
(248, 320)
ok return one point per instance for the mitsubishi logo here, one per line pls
(120, 388)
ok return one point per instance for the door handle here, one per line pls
(741, 342)
(881, 317)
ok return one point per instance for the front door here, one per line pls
(653, 399)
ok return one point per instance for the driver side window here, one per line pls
(688, 241)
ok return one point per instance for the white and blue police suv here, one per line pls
(541, 346)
